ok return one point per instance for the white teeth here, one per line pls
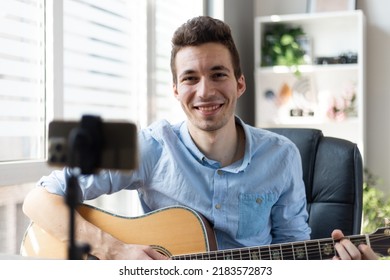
(209, 108)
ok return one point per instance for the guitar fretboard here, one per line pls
(319, 249)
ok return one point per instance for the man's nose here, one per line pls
(205, 88)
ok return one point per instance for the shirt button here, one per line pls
(218, 206)
(259, 200)
(220, 172)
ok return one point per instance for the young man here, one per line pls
(246, 181)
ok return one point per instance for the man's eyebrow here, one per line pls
(186, 72)
(214, 68)
(220, 67)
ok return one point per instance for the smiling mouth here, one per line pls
(208, 108)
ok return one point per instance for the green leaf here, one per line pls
(286, 39)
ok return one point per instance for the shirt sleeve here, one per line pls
(109, 181)
(91, 186)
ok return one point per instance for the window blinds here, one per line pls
(22, 95)
(106, 57)
(108, 46)
(169, 15)
(103, 57)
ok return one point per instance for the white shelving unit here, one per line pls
(284, 99)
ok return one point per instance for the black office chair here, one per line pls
(333, 176)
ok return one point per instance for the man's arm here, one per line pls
(51, 213)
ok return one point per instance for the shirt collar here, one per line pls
(189, 143)
(235, 167)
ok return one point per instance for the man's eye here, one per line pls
(189, 79)
(219, 75)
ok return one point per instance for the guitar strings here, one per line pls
(266, 252)
(315, 249)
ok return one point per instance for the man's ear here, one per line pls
(175, 92)
(241, 86)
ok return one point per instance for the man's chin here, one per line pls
(207, 125)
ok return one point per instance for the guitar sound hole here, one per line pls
(161, 250)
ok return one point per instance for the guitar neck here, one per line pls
(319, 249)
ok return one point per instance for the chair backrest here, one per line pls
(333, 176)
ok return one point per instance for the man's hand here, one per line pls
(348, 251)
(135, 252)
(111, 248)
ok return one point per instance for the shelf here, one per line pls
(320, 87)
(308, 68)
(338, 17)
(307, 121)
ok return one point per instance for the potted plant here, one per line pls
(283, 45)
(376, 207)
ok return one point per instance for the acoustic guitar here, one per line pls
(183, 234)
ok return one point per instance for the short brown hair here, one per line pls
(201, 30)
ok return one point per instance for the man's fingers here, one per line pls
(337, 234)
(367, 253)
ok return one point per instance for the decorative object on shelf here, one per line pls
(270, 94)
(343, 58)
(314, 6)
(282, 97)
(294, 99)
(305, 42)
(285, 45)
(304, 97)
(344, 106)
(285, 94)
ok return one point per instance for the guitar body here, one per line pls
(183, 234)
(171, 231)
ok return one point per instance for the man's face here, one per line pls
(206, 86)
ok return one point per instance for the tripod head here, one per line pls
(92, 144)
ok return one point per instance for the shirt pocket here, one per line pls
(254, 213)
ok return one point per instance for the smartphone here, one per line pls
(118, 149)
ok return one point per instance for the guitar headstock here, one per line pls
(380, 241)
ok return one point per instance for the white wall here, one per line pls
(238, 14)
(377, 77)
(279, 7)
(378, 87)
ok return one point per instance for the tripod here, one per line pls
(85, 144)
(84, 147)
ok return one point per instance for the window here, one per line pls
(22, 80)
(22, 111)
(167, 19)
(66, 58)
(104, 58)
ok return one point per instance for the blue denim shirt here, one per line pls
(256, 201)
